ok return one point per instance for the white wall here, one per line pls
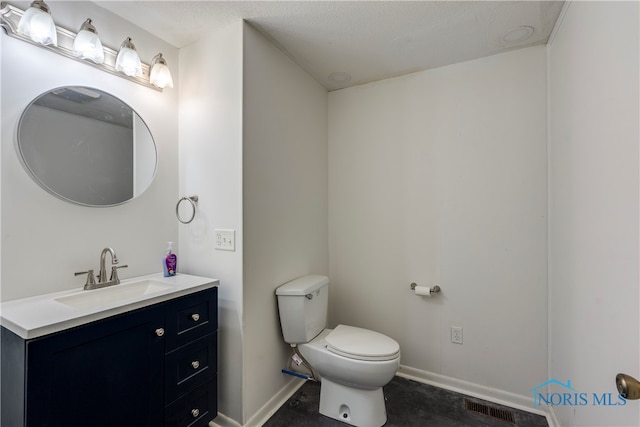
(440, 177)
(253, 148)
(44, 239)
(211, 167)
(593, 205)
(285, 202)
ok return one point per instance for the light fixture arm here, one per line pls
(158, 59)
(88, 26)
(127, 43)
(10, 16)
(41, 5)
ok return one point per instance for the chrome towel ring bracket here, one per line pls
(192, 200)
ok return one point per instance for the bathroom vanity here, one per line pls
(142, 353)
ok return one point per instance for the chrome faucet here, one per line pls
(102, 274)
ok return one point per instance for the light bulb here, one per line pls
(160, 74)
(87, 44)
(37, 24)
(128, 61)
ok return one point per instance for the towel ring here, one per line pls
(192, 200)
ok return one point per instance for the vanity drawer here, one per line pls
(190, 366)
(194, 409)
(191, 317)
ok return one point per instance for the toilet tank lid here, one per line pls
(303, 285)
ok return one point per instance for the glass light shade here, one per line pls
(87, 44)
(128, 61)
(160, 74)
(37, 24)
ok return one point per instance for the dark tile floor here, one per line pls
(409, 404)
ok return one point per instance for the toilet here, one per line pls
(353, 363)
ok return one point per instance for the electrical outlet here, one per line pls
(225, 240)
(456, 334)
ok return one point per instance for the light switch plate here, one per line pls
(225, 240)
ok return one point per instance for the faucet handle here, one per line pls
(91, 279)
(114, 273)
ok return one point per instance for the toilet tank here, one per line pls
(302, 304)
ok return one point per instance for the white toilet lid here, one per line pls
(361, 344)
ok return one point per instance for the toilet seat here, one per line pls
(361, 344)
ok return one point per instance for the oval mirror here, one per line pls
(86, 146)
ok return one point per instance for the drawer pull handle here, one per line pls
(195, 317)
(195, 413)
(160, 332)
(195, 364)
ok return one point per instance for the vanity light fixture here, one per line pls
(87, 44)
(160, 73)
(128, 61)
(66, 43)
(37, 24)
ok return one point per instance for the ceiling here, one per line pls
(356, 41)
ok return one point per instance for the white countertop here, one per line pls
(42, 315)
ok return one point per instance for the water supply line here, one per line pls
(313, 376)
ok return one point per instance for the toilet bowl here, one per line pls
(352, 376)
(358, 367)
(353, 363)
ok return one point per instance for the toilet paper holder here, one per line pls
(433, 290)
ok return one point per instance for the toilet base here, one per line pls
(360, 408)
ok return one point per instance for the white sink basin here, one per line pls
(113, 294)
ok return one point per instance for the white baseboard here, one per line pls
(551, 418)
(270, 408)
(501, 397)
(224, 421)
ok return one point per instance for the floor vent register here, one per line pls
(490, 411)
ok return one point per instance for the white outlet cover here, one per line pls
(456, 334)
(225, 240)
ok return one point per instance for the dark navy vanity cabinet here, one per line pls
(154, 366)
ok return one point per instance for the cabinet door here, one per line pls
(104, 374)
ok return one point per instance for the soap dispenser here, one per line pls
(169, 262)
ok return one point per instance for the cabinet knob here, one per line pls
(160, 332)
(195, 317)
(195, 413)
(195, 364)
